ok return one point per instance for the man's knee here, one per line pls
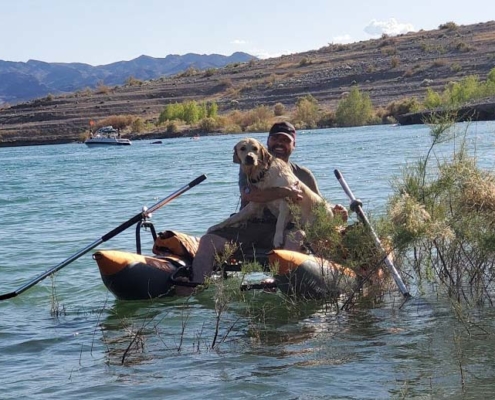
(210, 241)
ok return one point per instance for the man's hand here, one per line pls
(294, 192)
(339, 209)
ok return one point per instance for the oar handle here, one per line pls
(356, 206)
(344, 185)
(153, 208)
(168, 199)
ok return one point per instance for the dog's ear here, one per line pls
(235, 158)
(265, 155)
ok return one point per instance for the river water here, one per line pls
(56, 200)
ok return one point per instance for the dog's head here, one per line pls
(250, 152)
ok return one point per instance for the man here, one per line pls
(259, 233)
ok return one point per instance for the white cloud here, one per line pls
(342, 39)
(239, 42)
(261, 53)
(390, 27)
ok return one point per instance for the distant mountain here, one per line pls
(22, 81)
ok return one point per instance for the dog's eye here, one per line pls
(255, 149)
(243, 148)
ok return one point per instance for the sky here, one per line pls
(99, 32)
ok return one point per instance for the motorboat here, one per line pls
(107, 136)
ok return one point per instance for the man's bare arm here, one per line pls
(266, 195)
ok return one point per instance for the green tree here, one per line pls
(202, 110)
(212, 110)
(460, 92)
(432, 99)
(306, 113)
(171, 112)
(491, 76)
(191, 112)
(355, 110)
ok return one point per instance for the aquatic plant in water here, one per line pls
(441, 219)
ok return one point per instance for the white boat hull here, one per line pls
(107, 142)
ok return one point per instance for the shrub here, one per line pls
(451, 26)
(278, 109)
(432, 99)
(355, 110)
(388, 51)
(404, 106)
(172, 127)
(226, 83)
(326, 120)
(212, 109)
(117, 121)
(304, 61)
(171, 112)
(463, 47)
(491, 76)
(137, 125)
(394, 62)
(232, 128)
(208, 125)
(101, 88)
(439, 62)
(131, 81)
(210, 72)
(456, 67)
(191, 71)
(306, 113)
(441, 219)
(259, 117)
(259, 126)
(191, 112)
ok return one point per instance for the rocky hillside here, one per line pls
(389, 68)
(20, 81)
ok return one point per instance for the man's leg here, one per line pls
(209, 246)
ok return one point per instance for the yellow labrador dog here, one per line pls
(263, 170)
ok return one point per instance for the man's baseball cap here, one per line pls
(284, 128)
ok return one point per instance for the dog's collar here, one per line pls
(261, 175)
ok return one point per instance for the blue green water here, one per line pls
(56, 200)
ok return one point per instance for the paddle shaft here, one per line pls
(359, 211)
(104, 238)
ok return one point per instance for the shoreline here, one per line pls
(482, 111)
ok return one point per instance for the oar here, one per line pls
(104, 238)
(356, 206)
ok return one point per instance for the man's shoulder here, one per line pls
(299, 168)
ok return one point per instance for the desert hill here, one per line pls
(388, 69)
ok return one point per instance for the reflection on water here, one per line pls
(100, 348)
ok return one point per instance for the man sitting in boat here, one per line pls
(259, 234)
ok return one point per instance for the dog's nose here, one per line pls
(249, 159)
